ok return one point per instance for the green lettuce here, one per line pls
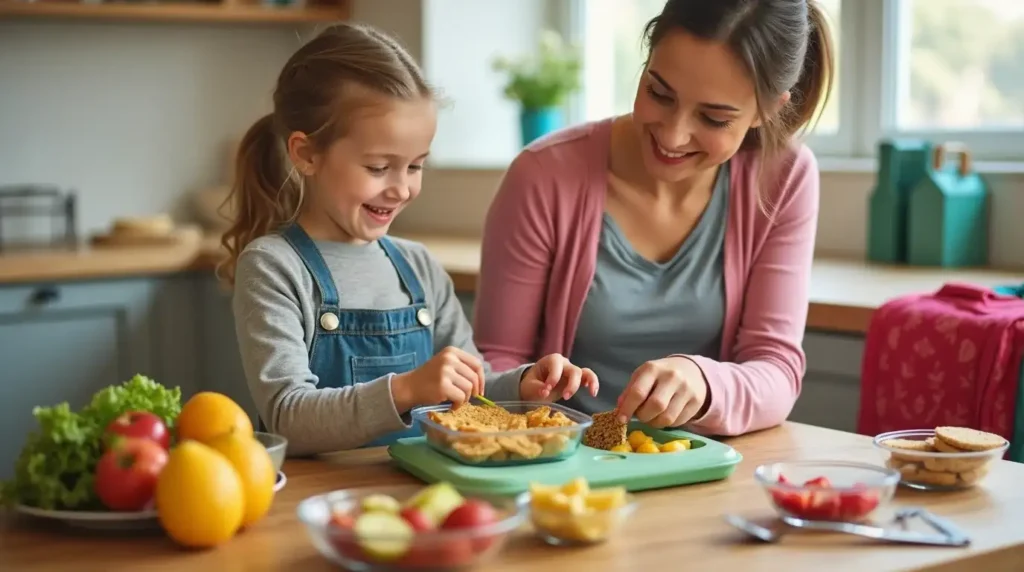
(55, 467)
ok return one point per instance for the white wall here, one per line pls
(132, 116)
(135, 116)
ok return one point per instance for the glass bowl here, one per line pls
(827, 490)
(561, 524)
(376, 550)
(276, 445)
(922, 466)
(506, 448)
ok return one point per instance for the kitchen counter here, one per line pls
(844, 292)
(671, 526)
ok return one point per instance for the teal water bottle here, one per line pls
(901, 164)
(949, 213)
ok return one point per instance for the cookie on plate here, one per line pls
(966, 439)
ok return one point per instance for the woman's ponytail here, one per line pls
(263, 195)
(815, 84)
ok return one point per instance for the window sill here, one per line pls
(828, 164)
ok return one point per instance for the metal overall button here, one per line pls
(423, 317)
(329, 321)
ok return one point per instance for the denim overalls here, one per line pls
(356, 346)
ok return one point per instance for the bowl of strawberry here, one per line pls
(409, 527)
(827, 490)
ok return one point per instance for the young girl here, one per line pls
(342, 330)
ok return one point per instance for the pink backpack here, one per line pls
(948, 358)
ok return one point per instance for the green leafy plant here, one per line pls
(56, 465)
(545, 78)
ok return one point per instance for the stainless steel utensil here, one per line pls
(766, 534)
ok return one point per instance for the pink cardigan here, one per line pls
(540, 247)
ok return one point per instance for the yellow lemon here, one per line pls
(199, 496)
(209, 414)
(253, 464)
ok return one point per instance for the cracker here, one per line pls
(911, 445)
(908, 444)
(969, 439)
(924, 476)
(521, 445)
(944, 447)
(954, 465)
(605, 432)
(973, 476)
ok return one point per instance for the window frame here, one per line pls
(868, 86)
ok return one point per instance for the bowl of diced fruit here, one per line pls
(409, 527)
(827, 490)
(575, 514)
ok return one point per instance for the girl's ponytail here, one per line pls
(264, 196)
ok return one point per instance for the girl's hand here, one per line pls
(451, 375)
(554, 377)
(664, 393)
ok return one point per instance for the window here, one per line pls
(935, 69)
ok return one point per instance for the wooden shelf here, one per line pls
(174, 12)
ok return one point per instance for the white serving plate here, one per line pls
(109, 520)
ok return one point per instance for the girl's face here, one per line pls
(694, 105)
(357, 186)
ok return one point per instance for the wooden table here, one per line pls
(671, 527)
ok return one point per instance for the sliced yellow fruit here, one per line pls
(677, 445)
(637, 438)
(649, 447)
(622, 448)
(557, 501)
(606, 499)
(577, 486)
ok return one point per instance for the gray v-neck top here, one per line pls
(639, 310)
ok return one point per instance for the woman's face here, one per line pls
(693, 107)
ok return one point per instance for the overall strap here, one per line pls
(405, 272)
(314, 261)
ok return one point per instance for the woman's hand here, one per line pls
(664, 393)
(554, 377)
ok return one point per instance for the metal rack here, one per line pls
(41, 202)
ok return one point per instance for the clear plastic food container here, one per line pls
(513, 433)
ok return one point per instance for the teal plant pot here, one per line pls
(536, 123)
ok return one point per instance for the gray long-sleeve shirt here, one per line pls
(276, 306)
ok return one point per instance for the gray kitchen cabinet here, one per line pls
(219, 356)
(830, 395)
(65, 341)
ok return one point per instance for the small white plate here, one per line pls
(96, 520)
(111, 520)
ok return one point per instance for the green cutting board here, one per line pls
(708, 460)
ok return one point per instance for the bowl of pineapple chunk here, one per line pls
(575, 514)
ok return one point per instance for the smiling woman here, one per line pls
(669, 249)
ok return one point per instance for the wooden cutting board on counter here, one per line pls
(159, 230)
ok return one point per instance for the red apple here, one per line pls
(471, 514)
(126, 474)
(416, 518)
(140, 425)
